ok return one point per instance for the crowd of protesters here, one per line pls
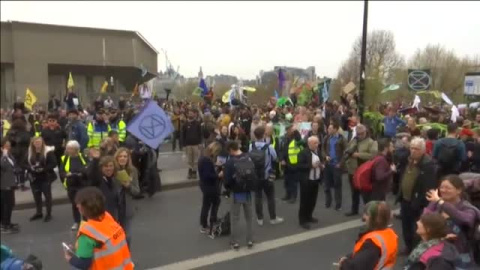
(239, 151)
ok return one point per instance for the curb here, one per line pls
(66, 200)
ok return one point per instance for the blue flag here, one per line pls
(151, 125)
(204, 87)
(276, 94)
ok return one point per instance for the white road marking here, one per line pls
(260, 247)
(170, 153)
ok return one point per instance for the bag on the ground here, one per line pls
(258, 156)
(447, 155)
(245, 173)
(222, 227)
(362, 178)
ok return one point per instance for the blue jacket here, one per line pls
(78, 132)
(391, 124)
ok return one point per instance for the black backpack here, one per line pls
(245, 174)
(448, 154)
(258, 156)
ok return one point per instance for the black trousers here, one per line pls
(7, 204)
(40, 187)
(355, 195)
(210, 203)
(269, 189)
(410, 217)
(308, 199)
(333, 180)
(75, 212)
(291, 185)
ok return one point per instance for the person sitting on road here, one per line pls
(377, 247)
(101, 241)
(434, 252)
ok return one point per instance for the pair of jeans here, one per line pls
(291, 185)
(333, 180)
(410, 217)
(76, 214)
(308, 199)
(7, 204)
(269, 189)
(210, 203)
(40, 187)
(355, 193)
(235, 218)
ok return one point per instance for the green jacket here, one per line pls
(367, 150)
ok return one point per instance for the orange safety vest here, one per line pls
(114, 252)
(387, 241)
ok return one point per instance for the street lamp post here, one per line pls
(361, 91)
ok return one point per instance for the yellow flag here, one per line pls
(70, 83)
(30, 99)
(104, 87)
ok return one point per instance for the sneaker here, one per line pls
(9, 230)
(204, 230)
(276, 221)
(75, 226)
(235, 246)
(47, 218)
(260, 222)
(36, 216)
(250, 244)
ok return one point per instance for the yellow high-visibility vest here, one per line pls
(67, 165)
(293, 151)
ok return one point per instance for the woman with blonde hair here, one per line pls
(41, 162)
(210, 175)
(127, 175)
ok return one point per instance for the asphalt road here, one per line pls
(165, 231)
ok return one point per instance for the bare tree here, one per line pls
(447, 69)
(382, 62)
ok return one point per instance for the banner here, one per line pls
(30, 99)
(151, 125)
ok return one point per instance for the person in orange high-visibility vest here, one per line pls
(101, 241)
(377, 247)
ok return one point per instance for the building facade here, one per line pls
(40, 57)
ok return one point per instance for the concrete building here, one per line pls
(40, 57)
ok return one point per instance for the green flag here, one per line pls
(391, 87)
(197, 91)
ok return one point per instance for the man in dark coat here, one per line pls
(418, 177)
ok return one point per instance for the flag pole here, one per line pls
(361, 91)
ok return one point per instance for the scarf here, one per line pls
(419, 250)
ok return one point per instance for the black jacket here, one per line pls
(209, 181)
(192, 133)
(54, 137)
(44, 172)
(305, 163)
(426, 180)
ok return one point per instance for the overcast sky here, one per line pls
(241, 38)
